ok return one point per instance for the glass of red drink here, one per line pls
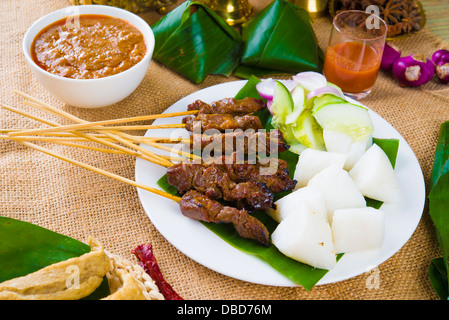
(354, 52)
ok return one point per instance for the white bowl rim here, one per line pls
(148, 35)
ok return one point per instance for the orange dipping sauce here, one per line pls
(353, 66)
(99, 46)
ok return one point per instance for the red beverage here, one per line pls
(352, 66)
(354, 52)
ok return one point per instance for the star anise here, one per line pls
(392, 12)
(401, 16)
(412, 16)
(379, 3)
(410, 22)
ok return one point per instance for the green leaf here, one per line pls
(243, 71)
(195, 42)
(440, 164)
(390, 147)
(280, 38)
(438, 204)
(26, 248)
(438, 278)
(438, 197)
(249, 89)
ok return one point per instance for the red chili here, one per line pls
(144, 253)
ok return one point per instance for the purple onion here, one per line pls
(441, 60)
(266, 87)
(310, 80)
(390, 55)
(413, 70)
(325, 90)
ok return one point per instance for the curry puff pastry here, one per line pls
(126, 281)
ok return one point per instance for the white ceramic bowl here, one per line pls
(91, 93)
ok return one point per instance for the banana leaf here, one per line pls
(279, 39)
(298, 272)
(438, 210)
(195, 42)
(26, 248)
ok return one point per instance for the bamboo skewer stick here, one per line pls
(82, 146)
(68, 142)
(94, 125)
(71, 143)
(122, 137)
(117, 135)
(54, 134)
(99, 135)
(102, 172)
(131, 119)
(173, 150)
(91, 138)
(68, 128)
(48, 139)
(63, 136)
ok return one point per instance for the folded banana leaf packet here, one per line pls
(195, 42)
(279, 39)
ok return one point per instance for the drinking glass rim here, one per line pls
(358, 38)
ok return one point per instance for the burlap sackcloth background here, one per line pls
(51, 193)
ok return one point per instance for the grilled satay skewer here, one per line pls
(246, 142)
(225, 114)
(213, 180)
(246, 225)
(197, 206)
(188, 175)
(221, 122)
(274, 174)
(228, 105)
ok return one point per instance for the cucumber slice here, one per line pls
(297, 148)
(330, 84)
(299, 99)
(288, 135)
(282, 104)
(348, 118)
(325, 99)
(308, 131)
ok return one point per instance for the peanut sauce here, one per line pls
(88, 47)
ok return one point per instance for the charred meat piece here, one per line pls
(244, 142)
(221, 122)
(220, 178)
(198, 206)
(229, 106)
(213, 180)
(274, 174)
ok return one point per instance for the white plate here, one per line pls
(206, 248)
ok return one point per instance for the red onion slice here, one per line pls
(310, 80)
(325, 90)
(266, 87)
(269, 103)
